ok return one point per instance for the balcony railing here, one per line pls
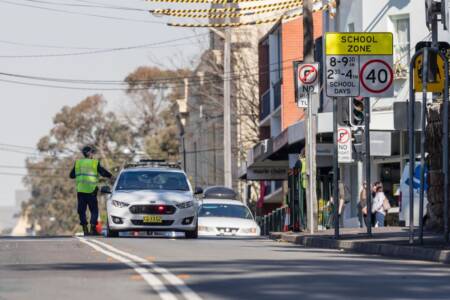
(265, 105)
(276, 95)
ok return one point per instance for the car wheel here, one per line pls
(192, 234)
(110, 232)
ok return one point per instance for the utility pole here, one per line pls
(310, 145)
(227, 107)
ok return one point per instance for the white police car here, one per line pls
(151, 196)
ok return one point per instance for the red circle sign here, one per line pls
(343, 135)
(375, 79)
(307, 74)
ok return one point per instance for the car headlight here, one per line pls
(206, 228)
(119, 203)
(186, 204)
(248, 230)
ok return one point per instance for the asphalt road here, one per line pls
(162, 268)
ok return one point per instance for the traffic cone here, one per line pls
(99, 227)
(287, 220)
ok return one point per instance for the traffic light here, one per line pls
(357, 112)
(358, 144)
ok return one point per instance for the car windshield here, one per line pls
(152, 180)
(225, 211)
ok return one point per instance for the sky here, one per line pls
(27, 111)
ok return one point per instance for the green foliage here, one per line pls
(148, 126)
(155, 109)
(53, 202)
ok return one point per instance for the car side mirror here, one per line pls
(198, 191)
(105, 190)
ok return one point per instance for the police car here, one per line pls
(151, 196)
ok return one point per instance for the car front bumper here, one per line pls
(130, 221)
(237, 234)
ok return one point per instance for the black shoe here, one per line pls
(93, 230)
(85, 230)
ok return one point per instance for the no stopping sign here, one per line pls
(307, 74)
(376, 77)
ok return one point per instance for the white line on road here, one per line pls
(151, 279)
(188, 293)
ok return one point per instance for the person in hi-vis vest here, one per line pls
(86, 173)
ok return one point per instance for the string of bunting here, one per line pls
(171, 12)
(232, 15)
(206, 1)
(254, 22)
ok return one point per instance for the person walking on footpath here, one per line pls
(86, 173)
(362, 206)
(379, 206)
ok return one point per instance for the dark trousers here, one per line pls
(85, 201)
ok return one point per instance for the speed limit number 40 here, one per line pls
(376, 76)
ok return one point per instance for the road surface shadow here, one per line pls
(361, 277)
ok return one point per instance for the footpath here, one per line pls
(387, 241)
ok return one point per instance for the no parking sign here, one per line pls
(344, 143)
(307, 82)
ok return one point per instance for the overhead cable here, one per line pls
(142, 46)
(80, 13)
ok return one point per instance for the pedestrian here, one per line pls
(374, 188)
(362, 206)
(378, 206)
(343, 191)
(86, 173)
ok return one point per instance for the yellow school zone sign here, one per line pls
(348, 43)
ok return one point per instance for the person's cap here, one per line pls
(87, 150)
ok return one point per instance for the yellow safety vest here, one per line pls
(303, 172)
(86, 175)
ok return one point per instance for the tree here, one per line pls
(153, 93)
(53, 196)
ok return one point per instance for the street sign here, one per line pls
(307, 79)
(344, 143)
(359, 64)
(433, 87)
(376, 76)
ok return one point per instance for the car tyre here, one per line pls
(192, 234)
(110, 232)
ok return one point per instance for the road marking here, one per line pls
(157, 285)
(171, 278)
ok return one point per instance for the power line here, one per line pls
(103, 6)
(46, 46)
(98, 51)
(17, 146)
(80, 13)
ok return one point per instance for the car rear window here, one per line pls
(152, 180)
(225, 211)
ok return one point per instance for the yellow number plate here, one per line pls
(152, 219)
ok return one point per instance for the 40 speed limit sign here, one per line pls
(376, 77)
(359, 64)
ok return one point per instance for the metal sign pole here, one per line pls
(423, 141)
(335, 171)
(310, 166)
(445, 146)
(367, 163)
(411, 146)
